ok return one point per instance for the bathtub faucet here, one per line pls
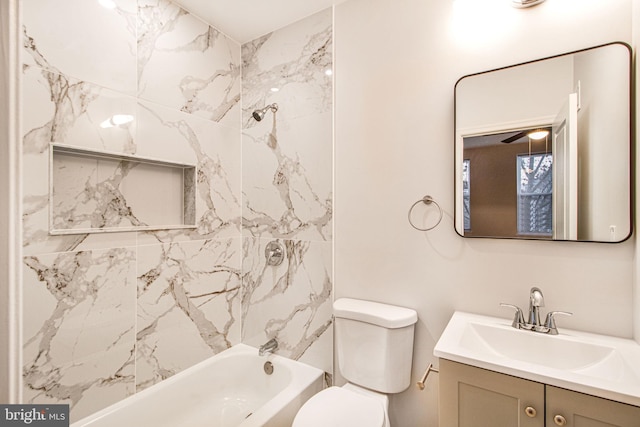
(268, 347)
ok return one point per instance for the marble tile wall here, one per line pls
(87, 182)
(109, 314)
(287, 181)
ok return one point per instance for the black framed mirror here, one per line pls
(543, 148)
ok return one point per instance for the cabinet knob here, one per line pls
(560, 420)
(530, 411)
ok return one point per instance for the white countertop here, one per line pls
(598, 365)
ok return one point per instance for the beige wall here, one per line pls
(396, 65)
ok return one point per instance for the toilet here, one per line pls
(374, 344)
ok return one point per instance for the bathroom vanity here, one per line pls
(474, 397)
(494, 375)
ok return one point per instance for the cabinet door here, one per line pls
(573, 409)
(474, 397)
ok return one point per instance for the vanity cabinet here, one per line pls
(570, 408)
(475, 397)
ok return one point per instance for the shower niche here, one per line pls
(96, 192)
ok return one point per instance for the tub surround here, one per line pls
(84, 301)
(287, 182)
(110, 314)
(291, 149)
(84, 182)
(291, 302)
(188, 298)
(66, 103)
(183, 284)
(207, 84)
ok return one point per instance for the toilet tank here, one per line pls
(374, 343)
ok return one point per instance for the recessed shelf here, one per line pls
(96, 192)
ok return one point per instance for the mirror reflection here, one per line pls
(543, 149)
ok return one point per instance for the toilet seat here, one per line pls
(338, 407)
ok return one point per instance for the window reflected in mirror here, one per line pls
(514, 177)
(535, 193)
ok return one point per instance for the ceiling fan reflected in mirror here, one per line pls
(535, 134)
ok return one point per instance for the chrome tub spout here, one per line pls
(268, 347)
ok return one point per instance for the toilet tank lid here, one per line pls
(385, 315)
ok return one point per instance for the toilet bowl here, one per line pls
(346, 406)
(374, 345)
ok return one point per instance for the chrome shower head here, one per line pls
(259, 114)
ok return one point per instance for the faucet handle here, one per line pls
(550, 321)
(518, 318)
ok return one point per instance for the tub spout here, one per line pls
(268, 347)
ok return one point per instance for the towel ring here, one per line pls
(427, 200)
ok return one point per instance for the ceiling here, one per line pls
(245, 20)
(497, 138)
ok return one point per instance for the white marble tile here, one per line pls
(101, 193)
(65, 110)
(200, 291)
(295, 60)
(59, 109)
(79, 322)
(186, 64)
(291, 302)
(287, 178)
(188, 305)
(287, 157)
(214, 149)
(83, 39)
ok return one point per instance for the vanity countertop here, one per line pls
(599, 365)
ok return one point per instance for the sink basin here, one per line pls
(530, 347)
(595, 364)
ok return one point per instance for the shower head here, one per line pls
(259, 114)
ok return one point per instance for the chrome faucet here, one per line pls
(536, 300)
(268, 347)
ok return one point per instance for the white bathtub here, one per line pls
(230, 389)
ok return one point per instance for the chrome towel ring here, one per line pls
(427, 200)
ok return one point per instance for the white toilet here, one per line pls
(374, 344)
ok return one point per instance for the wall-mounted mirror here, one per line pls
(543, 149)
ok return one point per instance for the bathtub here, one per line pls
(230, 389)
